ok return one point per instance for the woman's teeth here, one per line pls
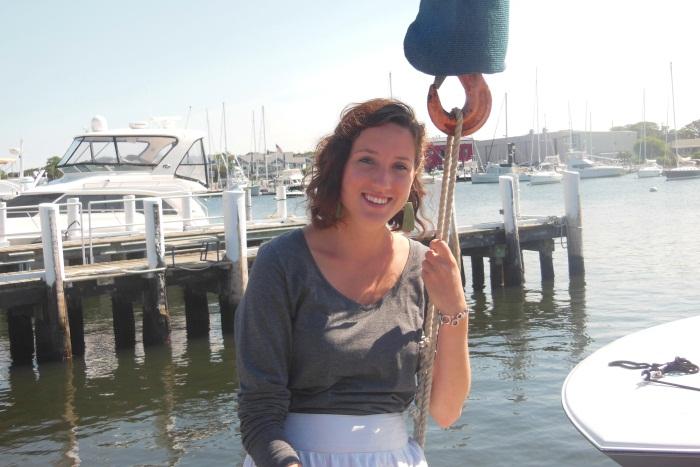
(376, 200)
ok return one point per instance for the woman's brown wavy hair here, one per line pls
(333, 151)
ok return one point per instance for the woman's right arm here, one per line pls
(263, 338)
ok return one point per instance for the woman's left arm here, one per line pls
(451, 370)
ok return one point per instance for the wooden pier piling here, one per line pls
(123, 319)
(513, 264)
(546, 263)
(156, 318)
(53, 341)
(234, 282)
(496, 272)
(478, 279)
(19, 327)
(574, 231)
(196, 312)
(74, 304)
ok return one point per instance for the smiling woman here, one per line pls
(329, 329)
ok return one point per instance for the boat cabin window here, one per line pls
(193, 166)
(116, 152)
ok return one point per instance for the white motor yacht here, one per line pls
(579, 161)
(293, 179)
(102, 166)
(492, 172)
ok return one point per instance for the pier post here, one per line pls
(496, 272)
(187, 212)
(196, 312)
(19, 328)
(156, 319)
(513, 266)
(75, 225)
(234, 283)
(478, 272)
(123, 318)
(574, 233)
(129, 213)
(248, 204)
(516, 193)
(3, 224)
(74, 303)
(53, 341)
(546, 262)
(281, 197)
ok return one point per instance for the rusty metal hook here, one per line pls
(476, 110)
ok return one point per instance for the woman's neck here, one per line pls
(350, 241)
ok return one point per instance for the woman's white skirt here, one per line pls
(351, 441)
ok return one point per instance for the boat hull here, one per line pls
(681, 174)
(602, 172)
(545, 178)
(649, 173)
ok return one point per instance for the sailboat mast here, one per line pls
(537, 119)
(223, 114)
(267, 176)
(644, 125)
(255, 150)
(673, 106)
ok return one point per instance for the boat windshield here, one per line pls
(90, 153)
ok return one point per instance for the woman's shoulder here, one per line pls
(286, 248)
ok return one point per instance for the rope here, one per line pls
(429, 342)
(653, 372)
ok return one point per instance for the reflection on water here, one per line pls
(163, 406)
(176, 404)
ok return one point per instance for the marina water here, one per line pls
(177, 404)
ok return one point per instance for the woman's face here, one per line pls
(378, 175)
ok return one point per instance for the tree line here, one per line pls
(659, 139)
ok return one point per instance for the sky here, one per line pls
(61, 63)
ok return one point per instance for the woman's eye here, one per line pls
(366, 160)
(401, 166)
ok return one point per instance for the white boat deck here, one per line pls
(634, 421)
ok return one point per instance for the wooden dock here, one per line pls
(42, 298)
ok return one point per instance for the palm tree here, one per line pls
(52, 170)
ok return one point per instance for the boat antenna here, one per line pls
(208, 132)
(391, 90)
(187, 120)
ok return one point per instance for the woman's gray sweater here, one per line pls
(302, 346)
